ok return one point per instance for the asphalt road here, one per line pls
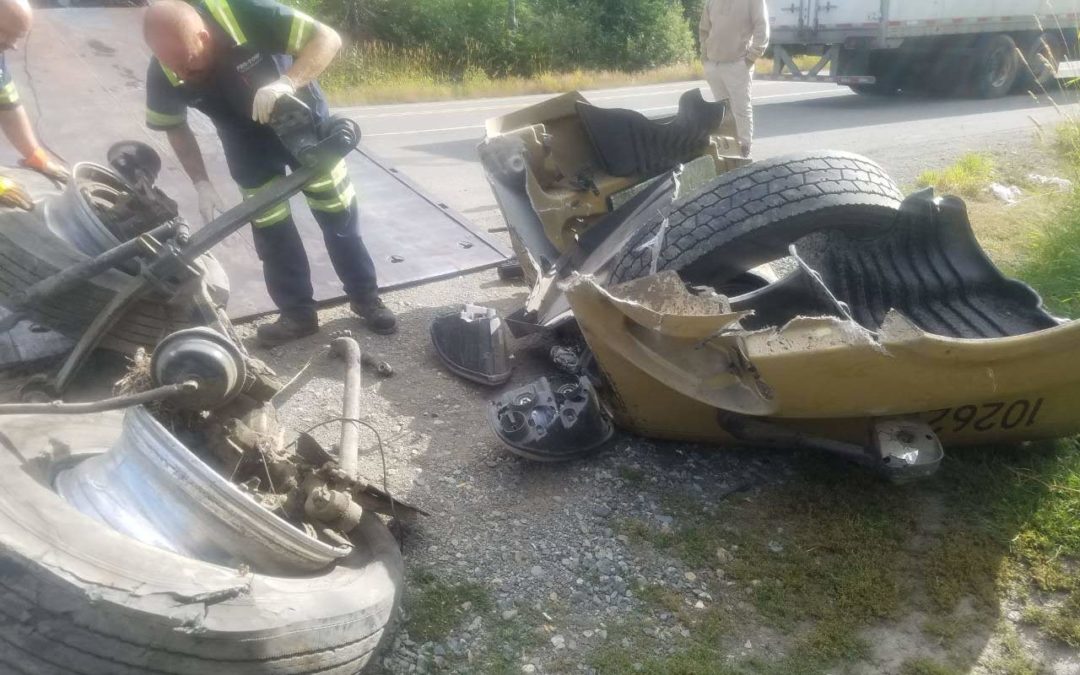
(435, 143)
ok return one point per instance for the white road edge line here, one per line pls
(418, 132)
(594, 94)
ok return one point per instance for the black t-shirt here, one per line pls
(256, 40)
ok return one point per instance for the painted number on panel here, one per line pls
(986, 417)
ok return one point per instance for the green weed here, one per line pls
(927, 667)
(968, 177)
(436, 606)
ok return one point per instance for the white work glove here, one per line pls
(267, 97)
(210, 202)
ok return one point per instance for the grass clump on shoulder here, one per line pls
(967, 177)
(1052, 260)
(1024, 502)
(436, 606)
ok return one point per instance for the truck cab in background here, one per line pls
(983, 48)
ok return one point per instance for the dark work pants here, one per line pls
(334, 204)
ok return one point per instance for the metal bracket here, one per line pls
(785, 68)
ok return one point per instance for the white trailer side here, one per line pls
(944, 46)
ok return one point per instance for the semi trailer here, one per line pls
(984, 48)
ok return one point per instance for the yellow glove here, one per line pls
(13, 195)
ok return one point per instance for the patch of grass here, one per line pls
(508, 641)
(1006, 232)
(615, 660)
(947, 629)
(968, 177)
(374, 73)
(1061, 623)
(1052, 261)
(1027, 499)
(631, 475)
(1012, 659)
(436, 606)
(661, 597)
(833, 567)
(963, 564)
(837, 560)
(927, 667)
(1026, 503)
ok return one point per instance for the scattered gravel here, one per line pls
(543, 539)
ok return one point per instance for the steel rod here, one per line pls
(114, 403)
(347, 349)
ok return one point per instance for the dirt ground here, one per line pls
(524, 567)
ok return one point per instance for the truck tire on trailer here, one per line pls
(1038, 70)
(750, 216)
(996, 67)
(77, 598)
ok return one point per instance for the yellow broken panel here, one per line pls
(674, 360)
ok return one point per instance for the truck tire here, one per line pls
(996, 67)
(78, 598)
(1038, 70)
(750, 216)
(30, 252)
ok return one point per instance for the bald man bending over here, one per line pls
(233, 60)
(15, 21)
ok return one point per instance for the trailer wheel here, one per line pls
(748, 217)
(1038, 70)
(997, 66)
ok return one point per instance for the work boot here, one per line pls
(376, 315)
(286, 329)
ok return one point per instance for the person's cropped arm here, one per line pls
(315, 56)
(187, 150)
(760, 40)
(20, 133)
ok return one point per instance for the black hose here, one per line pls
(115, 403)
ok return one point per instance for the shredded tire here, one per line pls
(77, 598)
(750, 216)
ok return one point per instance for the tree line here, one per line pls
(524, 37)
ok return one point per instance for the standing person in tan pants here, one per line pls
(734, 34)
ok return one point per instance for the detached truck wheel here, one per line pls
(996, 68)
(79, 598)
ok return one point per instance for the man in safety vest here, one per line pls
(233, 60)
(15, 20)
